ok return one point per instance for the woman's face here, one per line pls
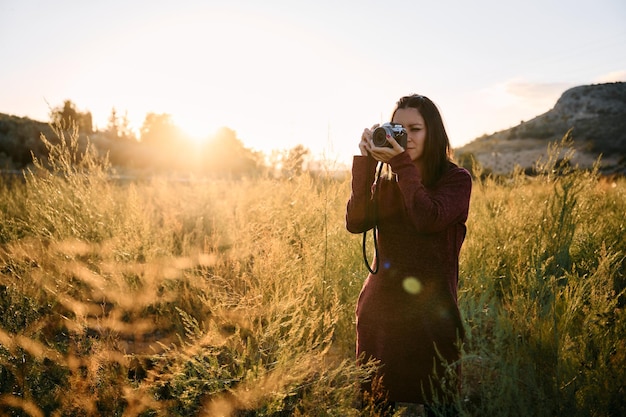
(411, 119)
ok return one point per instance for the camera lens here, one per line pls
(379, 137)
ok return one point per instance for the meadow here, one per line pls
(161, 297)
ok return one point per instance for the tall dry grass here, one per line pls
(543, 294)
(236, 298)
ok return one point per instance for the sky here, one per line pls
(282, 73)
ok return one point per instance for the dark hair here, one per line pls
(437, 145)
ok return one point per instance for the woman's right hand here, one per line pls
(366, 140)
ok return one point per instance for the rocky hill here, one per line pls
(596, 115)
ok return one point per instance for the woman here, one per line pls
(407, 313)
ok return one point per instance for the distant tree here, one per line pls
(112, 129)
(85, 123)
(119, 127)
(124, 129)
(293, 163)
(159, 129)
(66, 116)
(225, 155)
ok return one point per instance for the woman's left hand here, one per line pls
(383, 153)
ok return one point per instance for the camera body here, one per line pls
(395, 130)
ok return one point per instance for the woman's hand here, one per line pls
(366, 140)
(379, 153)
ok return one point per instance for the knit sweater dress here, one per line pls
(407, 313)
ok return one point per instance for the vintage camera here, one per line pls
(396, 131)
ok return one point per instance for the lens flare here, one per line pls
(412, 285)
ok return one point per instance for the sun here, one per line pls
(196, 129)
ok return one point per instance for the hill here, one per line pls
(596, 115)
(19, 136)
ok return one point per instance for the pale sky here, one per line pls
(316, 73)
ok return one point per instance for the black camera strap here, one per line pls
(375, 234)
(375, 228)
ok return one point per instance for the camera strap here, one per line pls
(367, 264)
(374, 206)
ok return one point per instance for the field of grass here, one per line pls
(236, 298)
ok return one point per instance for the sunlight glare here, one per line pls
(196, 128)
(412, 285)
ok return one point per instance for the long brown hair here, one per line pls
(437, 145)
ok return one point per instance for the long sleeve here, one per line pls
(359, 214)
(432, 210)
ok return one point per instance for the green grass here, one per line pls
(215, 297)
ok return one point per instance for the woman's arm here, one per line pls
(359, 213)
(435, 209)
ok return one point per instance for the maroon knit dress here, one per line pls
(407, 314)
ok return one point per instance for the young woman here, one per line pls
(407, 313)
